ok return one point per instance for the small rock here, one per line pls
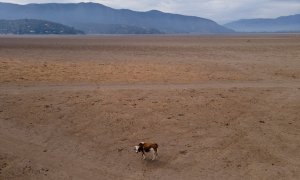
(262, 121)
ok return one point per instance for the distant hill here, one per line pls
(281, 24)
(95, 18)
(33, 26)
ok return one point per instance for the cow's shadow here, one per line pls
(157, 163)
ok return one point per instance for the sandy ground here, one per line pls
(224, 107)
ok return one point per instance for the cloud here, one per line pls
(221, 11)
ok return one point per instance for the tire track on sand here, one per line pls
(9, 88)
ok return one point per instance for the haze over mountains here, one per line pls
(280, 24)
(96, 18)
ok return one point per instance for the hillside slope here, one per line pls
(280, 24)
(33, 26)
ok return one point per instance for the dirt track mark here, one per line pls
(204, 85)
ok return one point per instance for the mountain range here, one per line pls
(96, 18)
(93, 18)
(280, 24)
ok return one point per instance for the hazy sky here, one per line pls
(221, 11)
